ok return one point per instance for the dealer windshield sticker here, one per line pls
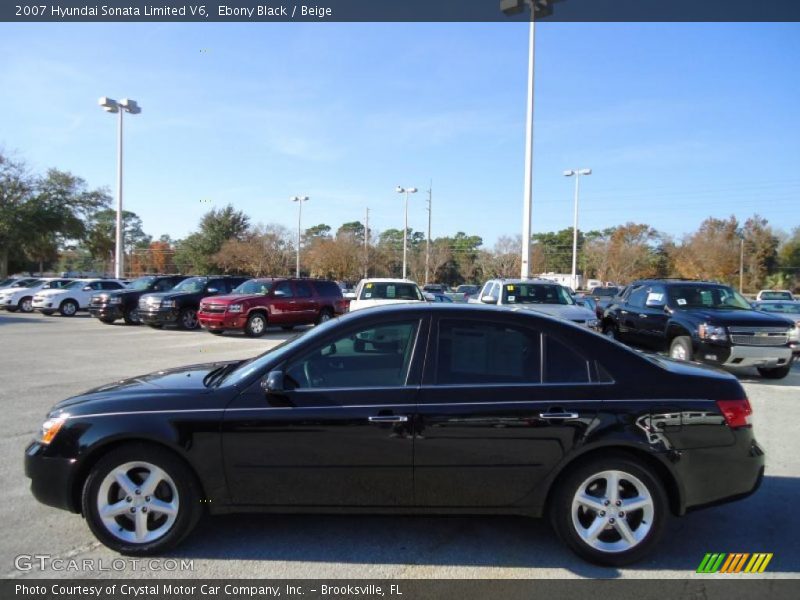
(368, 295)
(512, 298)
(369, 285)
(655, 297)
(681, 301)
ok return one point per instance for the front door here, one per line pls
(340, 432)
(497, 411)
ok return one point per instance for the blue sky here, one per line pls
(678, 122)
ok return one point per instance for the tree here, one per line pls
(712, 252)
(100, 237)
(317, 231)
(196, 252)
(353, 230)
(264, 251)
(16, 186)
(624, 253)
(760, 251)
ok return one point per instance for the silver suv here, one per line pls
(541, 295)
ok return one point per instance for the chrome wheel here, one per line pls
(189, 319)
(678, 352)
(257, 324)
(133, 317)
(26, 305)
(138, 502)
(612, 511)
(69, 308)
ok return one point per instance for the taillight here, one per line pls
(736, 412)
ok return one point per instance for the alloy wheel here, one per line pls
(257, 324)
(190, 319)
(138, 502)
(612, 511)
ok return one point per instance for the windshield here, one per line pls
(21, 283)
(253, 286)
(706, 296)
(141, 284)
(537, 293)
(390, 291)
(193, 284)
(776, 296)
(464, 289)
(258, 363)
(55, 285)
(780, 307)
(34, 283)
(606, 291)
(75, 285)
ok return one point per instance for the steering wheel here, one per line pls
(312, 375)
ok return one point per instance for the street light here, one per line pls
(577, 174)
(539, 8)
(112, 106)
(406, 191)
(299, 200)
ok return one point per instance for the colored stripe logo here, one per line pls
(734, 562)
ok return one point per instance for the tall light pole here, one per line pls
(406, 191)
(299, 200)
(577, 174)
(741, 264)
(539, 8)
(366, 244)
(112, 106)
(428, 240)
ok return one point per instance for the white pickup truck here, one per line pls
(375, 292)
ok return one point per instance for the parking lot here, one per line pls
(46, 359)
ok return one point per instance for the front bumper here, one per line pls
(107, 311)
(743, 356)
(51, 477)
(222, 321)
(45, 304)
(160, 316)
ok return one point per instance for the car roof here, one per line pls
(520, 281)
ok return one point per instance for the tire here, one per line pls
(256, 325)
(49, 313)
(68, 308)
(131, 317)
(187, 319)
(326, 314)
(775, 373)
(107, 320)
(574, 519)
(176, 491)
(25, 304)
(681, 348)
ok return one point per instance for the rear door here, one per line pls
(307, 306)
(500, 405)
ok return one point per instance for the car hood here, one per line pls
(110, 293)
(734, 317)
(233, 298)
(569, 312)
(369, 302)
(143, 392)
(172, 295)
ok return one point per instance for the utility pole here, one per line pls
(366, 245)
(741, 265)
(428, 242)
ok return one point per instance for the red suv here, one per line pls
(257, 303)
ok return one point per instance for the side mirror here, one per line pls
(349, 295)
(272, 383)
(87, 288)
(488, 299)
(213, 290)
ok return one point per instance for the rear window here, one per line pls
(776, 296)
(390, 291)
(327, 288)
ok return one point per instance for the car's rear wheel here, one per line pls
(107, 320)
(681, 348)
(776, 372)
(68, 308)
(610, 511)
(187, 319)
(256, 325)
(132, 317)
(26, 304)
(141, 500)
(324, 315)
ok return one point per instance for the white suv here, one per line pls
(540, 295)
(21, 298)
(375, 292)
(74, 297)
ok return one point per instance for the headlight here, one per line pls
(115, 300)
(168, 303)
(712, 332)
(50, 428)
(235, 308)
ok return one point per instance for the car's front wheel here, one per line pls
(610, 511)
(775, 372)
(131, 317)
(681, 348)
(141, 500)
(26, 304)
(68, 308)
(188, 319)
(256, 325)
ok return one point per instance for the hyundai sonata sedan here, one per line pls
(458, 409)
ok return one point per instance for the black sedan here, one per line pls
(424, 408)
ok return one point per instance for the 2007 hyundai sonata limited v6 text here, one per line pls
(419, 408)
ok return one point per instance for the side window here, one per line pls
(638, 297)
(283, 290)
(562, 364)
(480, 352)
(302, 289)
(487, 289)
(96, 285)
(377, 356)
(165, 284)
(111, 285)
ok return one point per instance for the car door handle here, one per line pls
(559, 415)
(389, 419)
(642, 316)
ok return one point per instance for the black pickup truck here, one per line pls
(702, 321)
(124, 304)
(180, 305)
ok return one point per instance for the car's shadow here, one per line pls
(764, 522)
